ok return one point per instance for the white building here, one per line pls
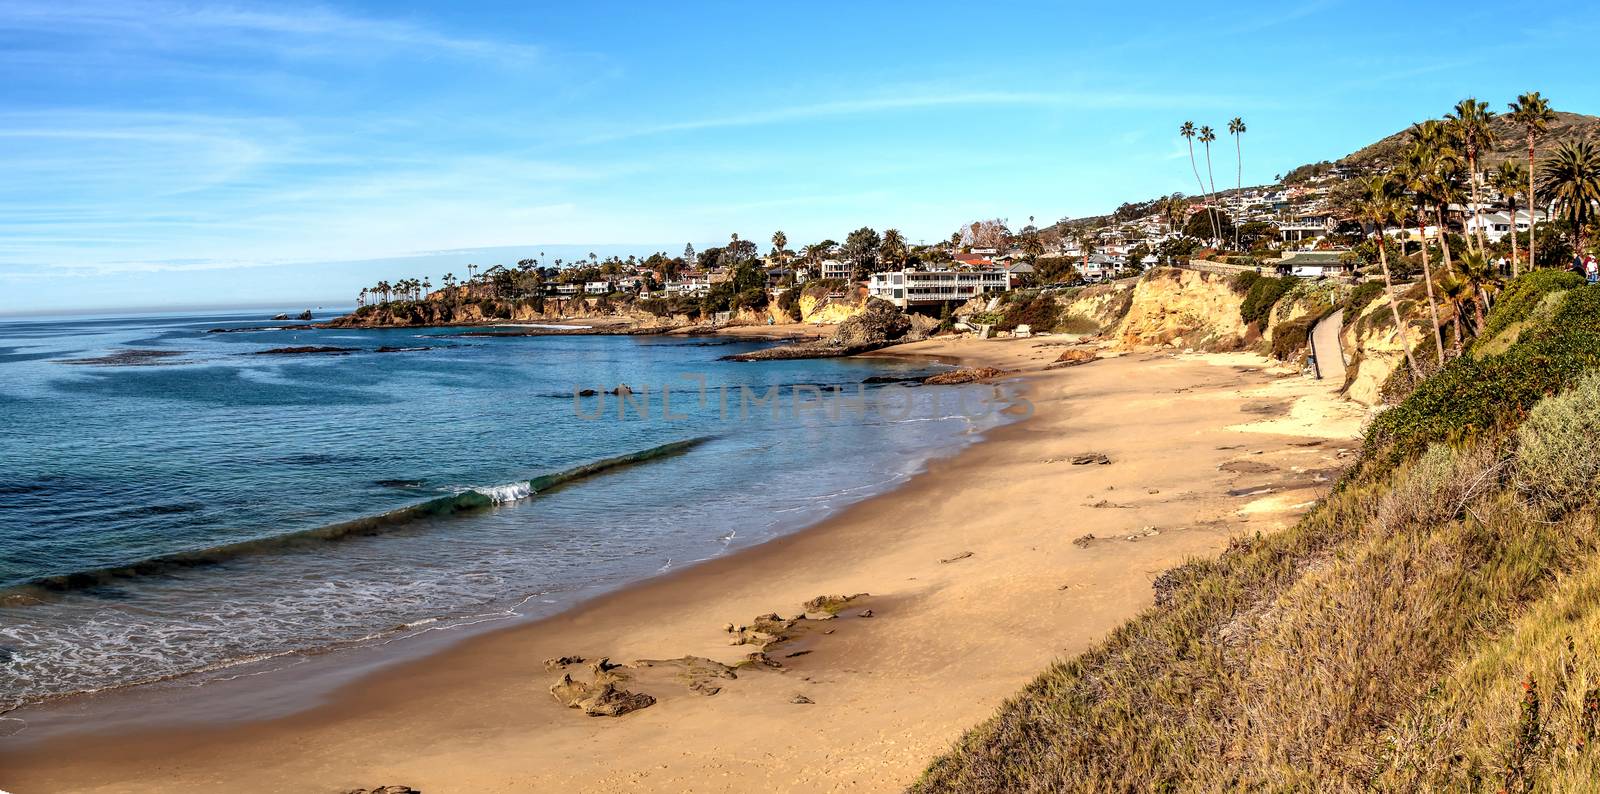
(833, 268)
(1497, 225)
(908, 287)
(691, 285)
(597, 287)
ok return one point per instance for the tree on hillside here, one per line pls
(688, 254)
(1510, 179)
(893, 248)
(1469, 124)
(1381, 209)
(1200, 224)
(861, 248)
(990, 233)
(1417, 174)
(1236, 128)
(1571, 178)
(1187, 131)
(780, 241)
(1533, 114)
(1207, 135)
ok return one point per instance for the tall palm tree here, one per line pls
(1533, 114)
(1469, 124)
(780, 241)
(361, 299)
(1086, 243)
(1187, 131)
(1207, 135)
(892, 247)
(1571, 178)
(1478, 274)
(1510, 179)
(1236, 129)
(1381, 209)
(1417, 174)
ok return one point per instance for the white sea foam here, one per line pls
(511, 492)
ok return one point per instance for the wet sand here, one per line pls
(975, 584)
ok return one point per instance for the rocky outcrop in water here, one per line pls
(878, 325)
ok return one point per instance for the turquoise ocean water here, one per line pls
(175, 504)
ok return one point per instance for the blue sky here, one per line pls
(178, 153)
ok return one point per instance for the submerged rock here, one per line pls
(307, 349)
(968, 375)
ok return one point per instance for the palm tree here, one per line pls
(1469, 124)
(1086, 242)
(1456, 293)
(780, 241)
(426, 286)
(1207, 135)
(1175, 211)
(1187, 131)
(893, 247)
(1417, 174)
(1236, 129)
(361, 299)
(1381, 209)
(1478, 274)
(1509, 179)
(1571, 178)
(1533, 114)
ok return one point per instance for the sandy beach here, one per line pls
(979, 572)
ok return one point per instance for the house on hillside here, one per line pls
(906, 288)
(1307, 225)
(1314, 264)
(1496, 225)
(834, 268)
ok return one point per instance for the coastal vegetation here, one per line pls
(1429, 625)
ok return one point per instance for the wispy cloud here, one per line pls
(282, 29)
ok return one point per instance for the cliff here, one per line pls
(1183, 309)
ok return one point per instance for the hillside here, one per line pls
(1432, 624)
(1510, 141)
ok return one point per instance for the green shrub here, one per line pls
(1241, 282)
(1361, 297)
(1038, 312)
(789, 303)
(1470, 395)
(1289, 338)
(1076, 324)
(1521, 297)
(1558, 448)
(1263, 295)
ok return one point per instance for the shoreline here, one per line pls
(492, 688)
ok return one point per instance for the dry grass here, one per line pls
(1295, 661)
(1558, 448)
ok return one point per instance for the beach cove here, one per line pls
(978, 572)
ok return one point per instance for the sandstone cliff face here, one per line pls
(1097, 309)
(1372, 345)
(1183, 309)
(816, 306)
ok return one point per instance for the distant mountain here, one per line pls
(1510, 141)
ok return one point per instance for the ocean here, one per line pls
(175, 503)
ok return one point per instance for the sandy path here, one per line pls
(947, 642)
